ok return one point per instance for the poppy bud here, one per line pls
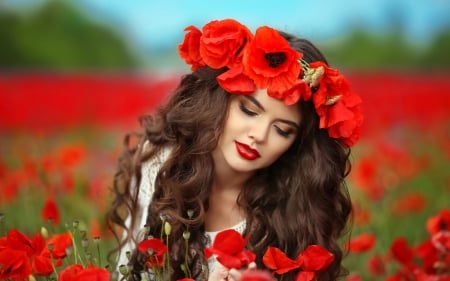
(123, 269)
(44, 232)
(167, 228)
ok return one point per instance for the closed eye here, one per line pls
(282, 132)
(246, 110)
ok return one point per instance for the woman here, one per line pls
(255, 139)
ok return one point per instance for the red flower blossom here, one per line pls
(439, 222)
(441, 241)
(14, 264)
(429, 255)
(93, 273)
(154, 249)
(32, 248)
(222, 42)
(236, 81)
(50, 211)
(376, 266)
(69, 273)
(339, 109)
(229, 246)
(71, 155)
(361, 243)
(190, 48)
(402, 252)
(271, 62)
(276, 260)
(315, 258)
(408, 203)
(76, 272)
(59, 243)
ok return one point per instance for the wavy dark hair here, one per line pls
(311, 204)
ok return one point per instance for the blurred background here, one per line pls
(76, 75)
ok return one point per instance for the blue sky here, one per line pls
(158, 24)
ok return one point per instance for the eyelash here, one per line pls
(246, 110)
(251, 113)
(282, 132)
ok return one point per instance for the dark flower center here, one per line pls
(275, 59)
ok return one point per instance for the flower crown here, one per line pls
(266, 60)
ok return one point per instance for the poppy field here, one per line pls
(61, 136)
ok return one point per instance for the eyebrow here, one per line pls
(259, 105)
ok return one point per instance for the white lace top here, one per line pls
(149, 171)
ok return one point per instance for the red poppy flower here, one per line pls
(348, 131)
(190, 48)
(256, 275)
(401, 251)
(361, 243)
(271, 62)
(60, 243)
(236, 81)
(154, 249)
(186, 279)
(315, 258)
(439, 222)
(409, 203)
(305, 276)
(14, 265)
(71, 155)
(33, 248)
(69, 273)
(339, 109)
(93, 274)
(376, 266)
(222, 43)
(42, 265)
(50, 211)
(300, 90)
(18, 241)
(229, 246)
(441, 241)
(429, 255)
(276, 260)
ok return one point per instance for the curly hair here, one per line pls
(311, 204)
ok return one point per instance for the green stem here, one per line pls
(167, 256)
(186, 242)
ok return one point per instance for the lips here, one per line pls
(246, 151)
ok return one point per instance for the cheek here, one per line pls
(279, 147)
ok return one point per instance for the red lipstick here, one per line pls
(246, 151)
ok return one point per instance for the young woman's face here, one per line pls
(258, 130)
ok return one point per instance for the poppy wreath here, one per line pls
(265, 60)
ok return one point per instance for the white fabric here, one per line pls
(149, 171)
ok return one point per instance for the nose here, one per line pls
(258, 132)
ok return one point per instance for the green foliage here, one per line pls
(363, 51)
(58, 37)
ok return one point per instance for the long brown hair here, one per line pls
(311, 204)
